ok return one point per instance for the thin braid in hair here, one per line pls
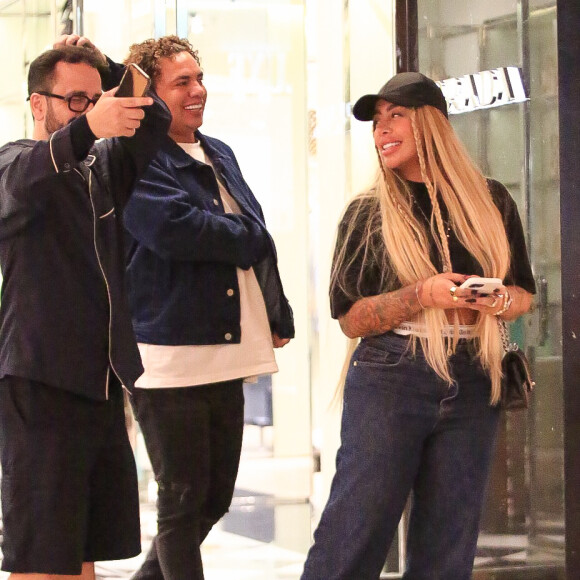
(433, 196)
(451, 345)
(400, 209)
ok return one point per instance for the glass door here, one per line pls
(522, 532)
(113, 25)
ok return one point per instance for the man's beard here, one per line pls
(51, 123)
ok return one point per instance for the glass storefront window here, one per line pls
(115, 24)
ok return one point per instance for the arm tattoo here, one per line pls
(378, 314)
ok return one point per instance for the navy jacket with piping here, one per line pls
(64, 316)
(184, 250)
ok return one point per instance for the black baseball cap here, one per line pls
(407, 89)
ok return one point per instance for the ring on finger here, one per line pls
(492, 305)
(452, 291)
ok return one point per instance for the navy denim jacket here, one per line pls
(183, 251)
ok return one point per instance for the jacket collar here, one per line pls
(179, 158)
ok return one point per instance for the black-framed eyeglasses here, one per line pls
(77, 103)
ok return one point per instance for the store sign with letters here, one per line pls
(483, 90)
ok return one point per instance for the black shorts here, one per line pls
(69, 483)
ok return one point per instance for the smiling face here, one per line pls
(180, 85)
(393, 134)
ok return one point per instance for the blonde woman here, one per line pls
(420, 397)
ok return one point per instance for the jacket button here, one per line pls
(216, 202)
(230, 292)
(228, 336)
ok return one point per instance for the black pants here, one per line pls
(194, 438)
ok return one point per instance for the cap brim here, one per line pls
(364, 108)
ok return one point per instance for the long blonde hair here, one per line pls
(449, 174)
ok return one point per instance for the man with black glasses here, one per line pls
(69, 485)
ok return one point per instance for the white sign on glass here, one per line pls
(483, 90)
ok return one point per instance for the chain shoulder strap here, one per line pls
(504, 333)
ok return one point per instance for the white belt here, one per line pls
(406, 328)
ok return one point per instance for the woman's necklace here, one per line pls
(446, 224)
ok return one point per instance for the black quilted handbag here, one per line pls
(516, 382)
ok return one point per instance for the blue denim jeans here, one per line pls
(405, 430)
(193, 437)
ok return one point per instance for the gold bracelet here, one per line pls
(417, 293)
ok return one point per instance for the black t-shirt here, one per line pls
(374, 282)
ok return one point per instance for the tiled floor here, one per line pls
(230, 556)
(227, 556)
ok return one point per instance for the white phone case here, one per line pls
(482, 285)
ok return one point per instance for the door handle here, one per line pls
(543, 314)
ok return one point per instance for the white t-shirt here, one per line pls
(190, 365)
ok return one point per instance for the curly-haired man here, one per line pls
(208, 307)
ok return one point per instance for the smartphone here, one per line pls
(134, 83)
(482, 285)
